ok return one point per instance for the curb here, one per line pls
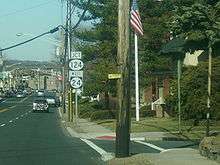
(73, 133)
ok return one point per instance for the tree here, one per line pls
(193, 92)
(100, 41)
(199, 23)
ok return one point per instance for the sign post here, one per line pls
(76, 76)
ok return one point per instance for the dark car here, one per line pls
(40, 105)
(9, 94)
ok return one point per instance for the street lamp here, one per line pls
(50, 40)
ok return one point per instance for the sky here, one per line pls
(30, 17)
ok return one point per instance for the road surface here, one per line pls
(28, 138)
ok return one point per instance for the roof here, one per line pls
(174, 47)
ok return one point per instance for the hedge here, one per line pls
(111, 114)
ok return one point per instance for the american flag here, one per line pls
(135, 19)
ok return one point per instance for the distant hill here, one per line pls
(29, 64)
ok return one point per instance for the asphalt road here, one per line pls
(151, 147)
(28, 138)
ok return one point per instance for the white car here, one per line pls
(40, 105)
(51, 101)
(20, 95)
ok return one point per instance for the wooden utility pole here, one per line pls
(209, 90)
(123, 117)
(69, 47)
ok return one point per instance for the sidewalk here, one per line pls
(183, 156)
(90, 130)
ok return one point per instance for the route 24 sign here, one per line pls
(76, 64)
(76, 82)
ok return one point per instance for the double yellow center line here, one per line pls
(6, 109)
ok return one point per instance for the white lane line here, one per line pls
(17, 118)
(2, 125)
(151, 145)
(23, 99)
(12, 107)
(104, 155)
(10, 121)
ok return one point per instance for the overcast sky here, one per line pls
(31, 17)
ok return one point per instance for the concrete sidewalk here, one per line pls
(90, 130)
(183, 156)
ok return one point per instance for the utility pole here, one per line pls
(38, 86)
(69, 49)
(209, 89)
(45, 82)
(179, 96)
(123, 117)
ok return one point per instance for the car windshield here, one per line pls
(40, 101)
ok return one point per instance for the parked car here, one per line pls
(40, 105)
(9, 94)
(1, 99)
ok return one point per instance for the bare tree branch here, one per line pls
(82, 16)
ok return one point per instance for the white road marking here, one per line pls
(173, 149)
(12, 107)
(17, 118)
(151, 145)
(105, 155)
(23, 99)
(137, 138)
(10, 121)
(2, 125)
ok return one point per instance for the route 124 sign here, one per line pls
(75, 64)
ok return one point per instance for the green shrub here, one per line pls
(103, 114)
(86, 109)
(99, 104)
(145, 111)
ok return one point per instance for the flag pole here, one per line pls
(136, 78)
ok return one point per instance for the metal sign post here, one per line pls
(76, 76)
